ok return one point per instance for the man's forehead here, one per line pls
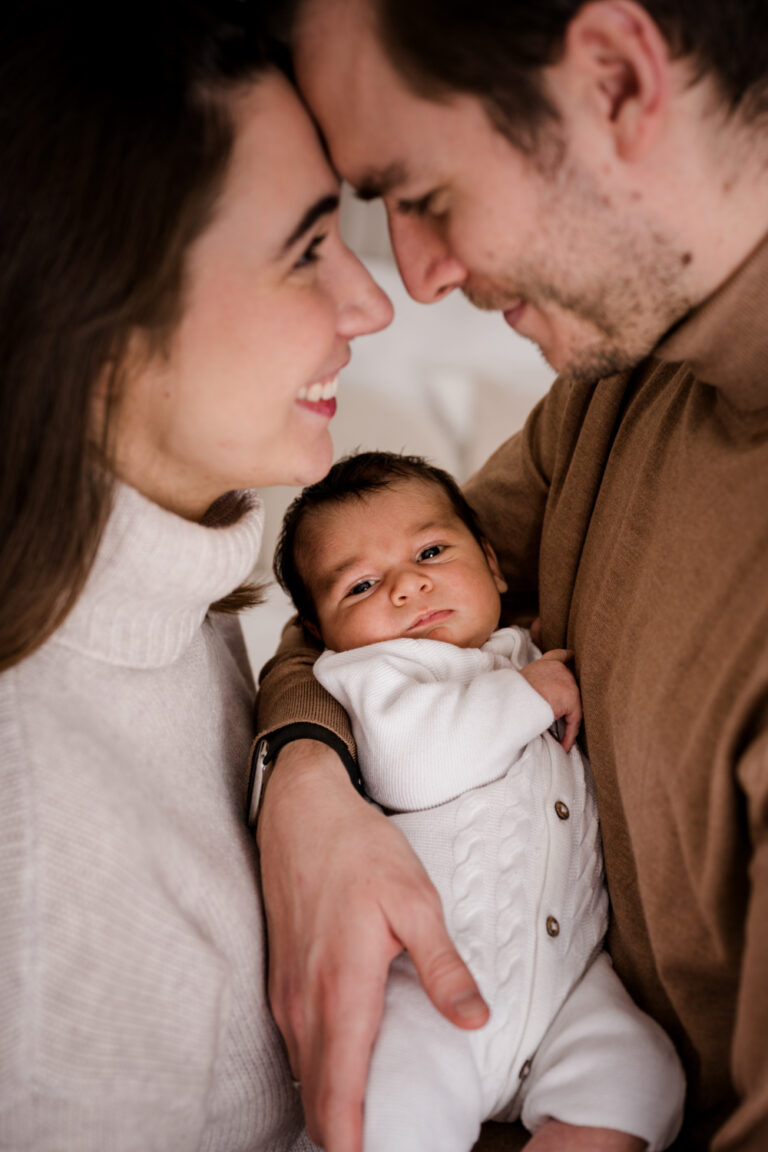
(353, 91)
(330, 33)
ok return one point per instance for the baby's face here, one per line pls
(399, 562)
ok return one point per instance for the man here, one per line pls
(598, 173)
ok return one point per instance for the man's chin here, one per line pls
(592, 361)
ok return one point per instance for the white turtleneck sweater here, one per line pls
(132, 989)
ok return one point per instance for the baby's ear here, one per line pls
(311, 628)
(493, 564)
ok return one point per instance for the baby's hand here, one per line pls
(552, 680)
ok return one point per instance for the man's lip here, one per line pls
(514, 313)
(431, 617)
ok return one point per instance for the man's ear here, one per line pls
(493, 564)
(617, 61)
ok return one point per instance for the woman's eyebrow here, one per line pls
(325, 206)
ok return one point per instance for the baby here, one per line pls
(452, 718)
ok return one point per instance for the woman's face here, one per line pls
(244, 394)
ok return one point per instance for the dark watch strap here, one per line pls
(264, 754)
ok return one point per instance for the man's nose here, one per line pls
(408, 583)
(427, 265)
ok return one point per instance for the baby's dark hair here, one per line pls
(351, 478)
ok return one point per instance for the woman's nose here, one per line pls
(365, 307)
(408, 583)
(426, 263)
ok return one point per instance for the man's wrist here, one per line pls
(266, 749)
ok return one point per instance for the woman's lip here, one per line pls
(320, 397)
(326, 408)
(427, 618)
(513, 314)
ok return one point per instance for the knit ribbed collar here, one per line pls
(153, 580)
(725, 339)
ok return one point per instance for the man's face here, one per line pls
(561, 242)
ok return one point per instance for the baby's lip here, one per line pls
(432, 617)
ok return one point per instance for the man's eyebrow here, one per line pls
(325, 206)
(379, 182)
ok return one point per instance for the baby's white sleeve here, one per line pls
(431, 720)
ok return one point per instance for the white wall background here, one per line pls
(444, 381)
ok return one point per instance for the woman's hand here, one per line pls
(556, 683)
(344, 894)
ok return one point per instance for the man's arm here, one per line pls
(747, 1128)
(344, 894)
(509, 494)
(289, 694)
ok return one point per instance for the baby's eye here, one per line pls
(361, 587)
(431, 552)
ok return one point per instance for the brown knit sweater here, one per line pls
(632, 514)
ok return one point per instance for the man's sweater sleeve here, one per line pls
(292, 700)
(509, 494)
(747, 1127)
(431, 720)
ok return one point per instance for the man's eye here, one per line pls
(423, 206)
(360, 587)
(311, 253)
(431, 552)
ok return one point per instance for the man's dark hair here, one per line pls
(496, 50)
(352, 478)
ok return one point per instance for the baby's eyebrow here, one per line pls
(430, 524)
(331, 578)
(328, 580)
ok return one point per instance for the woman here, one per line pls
(176, 305)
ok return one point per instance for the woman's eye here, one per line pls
(431, 552)
(360, 587)
(311, 253)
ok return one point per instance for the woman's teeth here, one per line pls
(315, 392)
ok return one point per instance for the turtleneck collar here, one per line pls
(153, 580)
(725, 339)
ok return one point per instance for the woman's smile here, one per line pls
(320, 397)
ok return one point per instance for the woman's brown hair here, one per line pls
(114, 140)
